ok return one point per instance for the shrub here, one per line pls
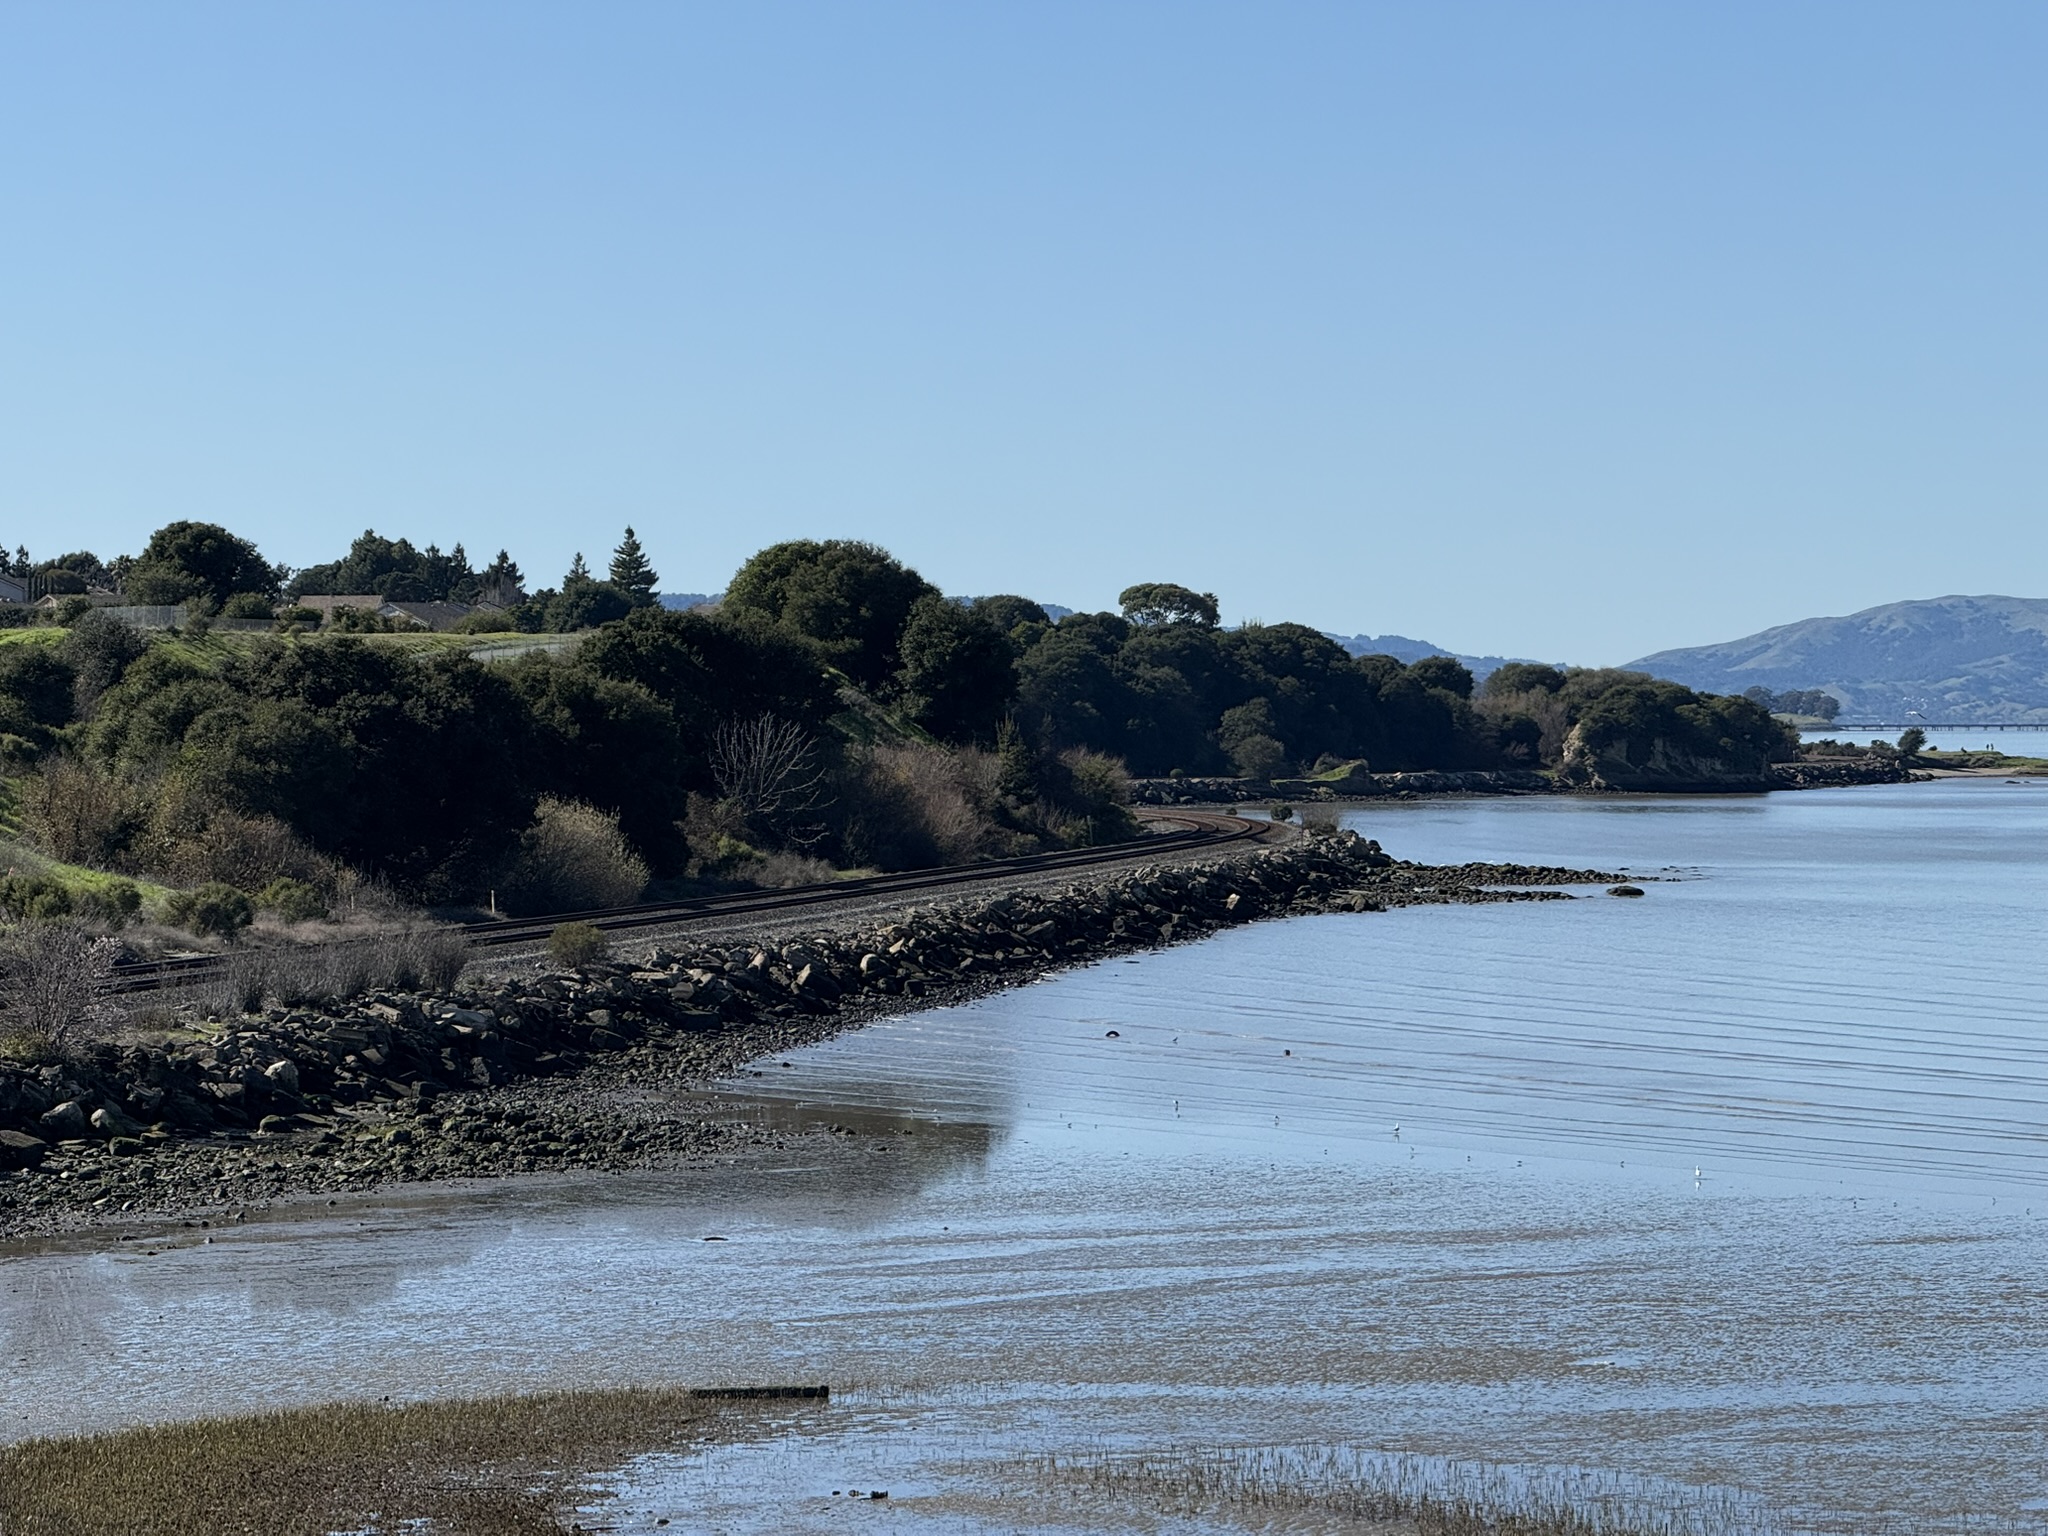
(350, 620)
(247, 605)
(33, 898)
(193, 841)
(485, 621)
(99, 649)
(572, 859)
(80, 813)
(915, 807)
(293, 900)
(112, 903)
(577, 944)
(320, 975)
(214, 908)
(54, 978)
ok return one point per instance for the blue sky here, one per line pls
(1573, 331)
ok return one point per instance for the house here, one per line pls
(13, 590)
(369, 602)
(425, 615)
(98, 597)
(402, 611)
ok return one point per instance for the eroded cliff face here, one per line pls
(1655, 763)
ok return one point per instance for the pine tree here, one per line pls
(630, 571)
(578, 571)
(503, 572)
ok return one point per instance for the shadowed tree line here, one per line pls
(836, 710)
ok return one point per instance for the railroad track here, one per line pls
(1195, 830)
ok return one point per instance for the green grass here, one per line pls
(77, 878)
(1998, 762)
(210, 651)
(499, 1466)
(40, 634)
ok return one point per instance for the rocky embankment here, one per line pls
(1807, 773)
(1356, 786)
(1825, 773)
(530, 1072)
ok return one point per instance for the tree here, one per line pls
(1912, 742)
(767, 770)
(630, 572)
(1522, 677)
(957, 677)
(1164, 602)
(852, 598)
(1445, 672)
(1247, 734)
(586, 604)
(187, 560)
(99, 649)
(709, 668)
(501, 582)
(1009, 613)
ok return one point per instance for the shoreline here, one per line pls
(575, 1072)
(1377, 788)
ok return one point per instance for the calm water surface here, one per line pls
(1744, 1183)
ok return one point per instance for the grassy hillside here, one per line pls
(1961, 659)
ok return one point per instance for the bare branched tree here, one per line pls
(768, 769)
(54, 983)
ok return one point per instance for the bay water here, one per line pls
(1737, 1191)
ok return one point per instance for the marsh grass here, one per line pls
(317, 975)
(1428, 1495)
(498, 1466)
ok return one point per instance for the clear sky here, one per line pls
(1573, 331)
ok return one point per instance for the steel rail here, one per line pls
(1198, 830)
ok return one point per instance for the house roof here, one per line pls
(370, 602)
(433, 615)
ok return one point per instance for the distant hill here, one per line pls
(1966, 659)
(1401, 648)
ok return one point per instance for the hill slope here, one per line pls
(1948, 658)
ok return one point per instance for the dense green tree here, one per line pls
(957, 677)
(501, 581)
(187, 560)
(98, 649)
(712, 668)
(394, 569)
(1445, 672)
(610, 744)
(417, 769)
(852, 598)
(1165, 602)
(586, 604)
(36, 692)
(630, 572)
(1522, 677)
(1247, 734)
(1009, 613)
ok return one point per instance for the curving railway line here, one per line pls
(1195, 831)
